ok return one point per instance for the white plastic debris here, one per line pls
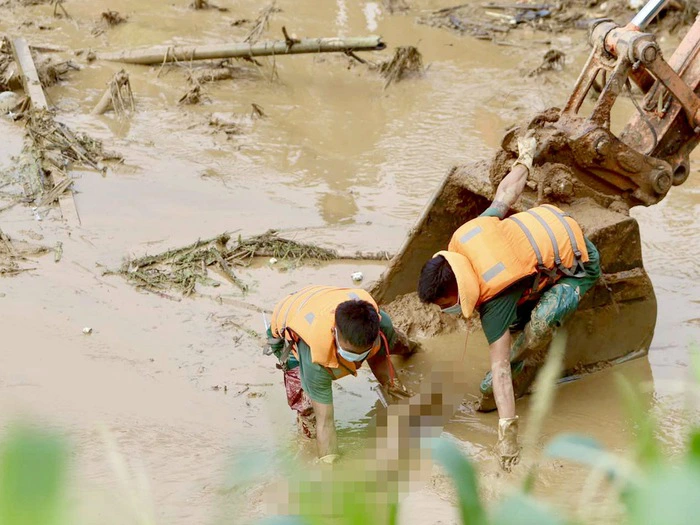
(357, 277)
(273, 260)
(87, 330)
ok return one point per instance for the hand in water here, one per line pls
(397, 391)
(507, 446)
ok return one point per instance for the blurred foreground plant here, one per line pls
(653, 489)
(32, 477)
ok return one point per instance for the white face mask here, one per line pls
(455, 309)
(349, 356)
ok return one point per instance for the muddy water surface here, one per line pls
(339, 161)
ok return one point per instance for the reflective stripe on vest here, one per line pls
(496, 253)
(496, 269)
(309, 315)
(577, 269)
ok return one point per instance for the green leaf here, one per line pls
(648, 450)
(587, 451)
(32, 478)
(530, 479)
(462, 473)
(694, 352)
(520, 509)
(670, 497)
(694, 448)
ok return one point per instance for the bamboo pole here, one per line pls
(35, 92)
(164, 54)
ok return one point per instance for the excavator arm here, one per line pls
(597, 176)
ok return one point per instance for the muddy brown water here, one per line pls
(339, 161)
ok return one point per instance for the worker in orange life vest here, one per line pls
(321, 334)
(525, 272)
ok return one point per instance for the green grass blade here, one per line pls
(587, 451)
(647, 446)
(464, 477)
(545, 388)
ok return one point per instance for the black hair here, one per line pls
(436, 280)
(358, 322)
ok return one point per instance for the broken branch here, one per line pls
(163, 54)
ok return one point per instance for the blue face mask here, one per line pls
(455, 309)
(350, 356)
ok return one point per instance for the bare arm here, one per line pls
(502, 381)
(326, 438)
(510, 188)
(381, 368)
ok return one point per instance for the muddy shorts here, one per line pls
(300, 402)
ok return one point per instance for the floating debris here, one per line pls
(14, 253)
(407, 62)
(118, 96)
(262, 22)
(193, 96)
(553, 60)
(395, 6)
(113, 18)
(182, 269)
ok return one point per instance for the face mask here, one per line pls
(455, 309)
(350, 356)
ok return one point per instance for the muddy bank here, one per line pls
(423, 321)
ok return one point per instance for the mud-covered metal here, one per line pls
(651, 155)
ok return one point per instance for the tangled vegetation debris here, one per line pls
(50, 69)
(107, 20)
(182, 269)
(498, 18)
(553, 60)
(118, 96)
(262, 22)
(52, 148)
(13, 253)
(406, 62)
(395, 6)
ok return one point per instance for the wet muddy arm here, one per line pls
(382, 368)
(510, 188)
(326, 438)
(502, 381)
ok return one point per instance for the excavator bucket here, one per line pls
(593, 175)
(615, 321)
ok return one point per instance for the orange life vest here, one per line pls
(488, 254)
(309, 314)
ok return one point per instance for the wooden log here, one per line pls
(105, 102)
(33, 89)
(113, 91)
(29, 74)
(164, 54)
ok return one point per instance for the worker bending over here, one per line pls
(323, 333)
(523, 273)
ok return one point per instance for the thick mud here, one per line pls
(180, 384)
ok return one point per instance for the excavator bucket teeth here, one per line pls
(615, 320)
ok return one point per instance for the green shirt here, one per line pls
(317, 381)
(502, 311)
